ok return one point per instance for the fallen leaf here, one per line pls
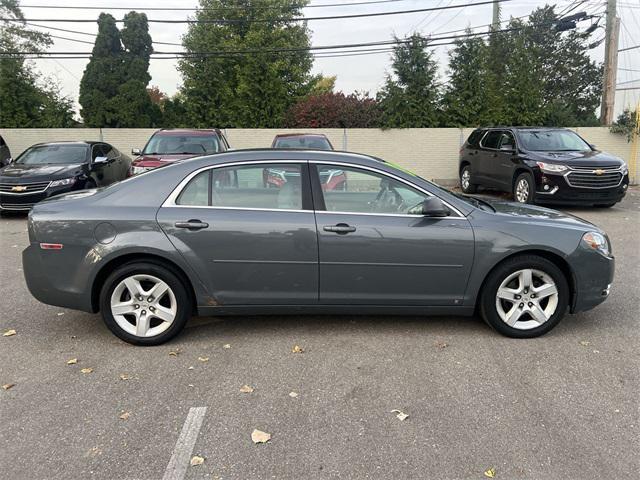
(246, 389)
(8, 386)
(297, 349)
(259, 436)
(125, 415)
(86, 370)
(293, 394)
(174, 353)
(203, 359)
(196, 460)
(124, 376)
(226, 345)
(9, 333)
(490, 472)
(441, 345)
(60, 314)
(73, 361)
(585, 343)
(400, 414)
(191, 368)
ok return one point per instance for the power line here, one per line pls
(191, 9)
(628, 48)
(267, 20)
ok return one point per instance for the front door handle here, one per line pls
(192, 225)
(341, 228)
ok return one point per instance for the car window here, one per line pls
(171, 143)
(491, 139)
(270, 186)
(303, 142)
(507, 140)
(356, 190)
(111, 152)
(553, 141)
(54, 154)
(2, 144)
(98, 151)
(474, 138)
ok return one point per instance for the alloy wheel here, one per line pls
(143, 305)
(527, 299)
(522, 191)
(465, 179)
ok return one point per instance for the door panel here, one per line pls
(372, 252)
(248, 255)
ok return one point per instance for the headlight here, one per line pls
(625, 169)
(552, 167)
(64, 181)
(597, 241)
(138, 170)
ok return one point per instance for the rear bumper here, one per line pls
(554, 189)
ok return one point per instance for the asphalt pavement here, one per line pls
(565, 406)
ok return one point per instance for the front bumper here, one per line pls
(593, 278)
(24, 202)
(555, 189)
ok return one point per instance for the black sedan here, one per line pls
(208, 236)
(49, 169)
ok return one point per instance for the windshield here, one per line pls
(310, 143)
(182, 144)
(54, 154)
(552, 141)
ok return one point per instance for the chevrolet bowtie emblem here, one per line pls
(598, 172)
(18, 188)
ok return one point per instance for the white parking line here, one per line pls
(179, 462)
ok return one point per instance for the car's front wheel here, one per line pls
(144, 303)
(465, 180)
(524, 188)
(525, 297)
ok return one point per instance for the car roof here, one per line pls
(520, 127)
(283, 135)
(68, 142)
(187, 131)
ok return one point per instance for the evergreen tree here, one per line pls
(26, 99)
(409, 98)
(245, 90)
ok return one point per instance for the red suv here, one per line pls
(169, 145)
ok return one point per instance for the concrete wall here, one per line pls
(429, 152)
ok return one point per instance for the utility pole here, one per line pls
(495, 23)
(610, 64)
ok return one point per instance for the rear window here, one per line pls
(475, 137)
(311, 143)
(167, 144)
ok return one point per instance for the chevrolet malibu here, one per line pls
(206, 236)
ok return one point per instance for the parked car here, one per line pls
(334, 180)
(542, 165)
(392, 243)
(311, 141)
(47, 169)
(168, 145)
(5, 153)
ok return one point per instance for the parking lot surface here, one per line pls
(564, 406)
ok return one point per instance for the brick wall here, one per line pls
(429, 152)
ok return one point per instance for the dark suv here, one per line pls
(542, 165)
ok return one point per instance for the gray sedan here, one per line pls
(210, 236)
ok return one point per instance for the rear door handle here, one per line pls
(192, 225)
(341, 228)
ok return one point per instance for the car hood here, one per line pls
(157, 160)
(19, 173)
(578, 159)
(535, 214)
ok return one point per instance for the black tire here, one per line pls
(488, 296)
(531, 188)
(176, 285)
(606, 205)
(89, 184)
(471, 187)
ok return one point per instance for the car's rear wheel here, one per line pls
(465, 180)
(524, 188)
(525, 297)
(144, 303)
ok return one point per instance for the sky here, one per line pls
(363, 73)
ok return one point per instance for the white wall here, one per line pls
(429, 152)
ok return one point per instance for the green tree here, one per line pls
(465, 102)
(245, 90)
(323, 85)
(26, 99)
(410, 97)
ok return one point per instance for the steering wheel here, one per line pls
(388, 199)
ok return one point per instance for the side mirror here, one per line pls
(135, 151)
(101, 160)
(507, 148)
(431, 207)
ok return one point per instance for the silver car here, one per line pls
(208, 236)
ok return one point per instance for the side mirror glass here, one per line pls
(101, 160)
(135, 151)
(431, 207)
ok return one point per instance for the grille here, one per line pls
(23, 187)
(16, 206)
(587, 178)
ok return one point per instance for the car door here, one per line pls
(252, 244)
(372, 251)
(99, 171)
(488, 158)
